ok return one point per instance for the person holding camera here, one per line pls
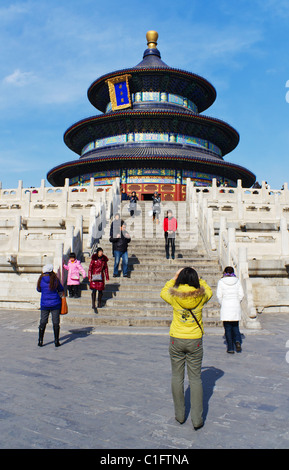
(120, 242)
(50, 303)
(187, 294)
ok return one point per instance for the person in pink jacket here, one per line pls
(74, 268)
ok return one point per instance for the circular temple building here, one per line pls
(151, 133)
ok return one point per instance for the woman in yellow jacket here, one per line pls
(187, 294)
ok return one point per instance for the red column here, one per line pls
(178, 193)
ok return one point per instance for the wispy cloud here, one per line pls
(279, 8)
(8, 13)
(20, 79)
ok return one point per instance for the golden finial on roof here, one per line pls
(152, 37)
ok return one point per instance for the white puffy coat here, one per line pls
(229, 294)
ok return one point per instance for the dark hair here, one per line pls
(53, 282)
(123, 222)
(229, 270)
(72, 255)
(98, 250)
(188, 276)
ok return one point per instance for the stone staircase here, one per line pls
(135, 300)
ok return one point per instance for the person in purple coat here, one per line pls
(50, 286)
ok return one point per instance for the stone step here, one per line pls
(156, 255)
(141, 321)
(144, 245)
(125, 289)
(133, 258)
(162, 259)
(164, 275)
(148, 240)
(163, 263)
(125, 292)
(132, 303)
(136, 269)
(123, 307)
(131, 310)
(103, 320)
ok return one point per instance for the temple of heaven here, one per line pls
(150, 133)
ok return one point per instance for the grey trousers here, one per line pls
(55, 314)
(190, 352)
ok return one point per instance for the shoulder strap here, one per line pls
(194, 317)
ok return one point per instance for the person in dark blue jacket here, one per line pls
(49, 286)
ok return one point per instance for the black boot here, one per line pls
(93, 297)
(70, 291)
(99, 299)
(56, 336)
(41, 335)
(77, 291)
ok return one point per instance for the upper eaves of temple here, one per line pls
(152, 74)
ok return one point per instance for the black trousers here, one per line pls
(170, 241)
(74, 291)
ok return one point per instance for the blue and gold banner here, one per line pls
(119, 92)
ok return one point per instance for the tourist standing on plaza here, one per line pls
(170, 226)
(156, 206)
(132, 203)
(187, 294)
(230, 294)
(50, 287)
(97, 270)
(120, 242)
(74, 269)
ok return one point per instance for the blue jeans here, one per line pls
(232, 334)
(117, 256)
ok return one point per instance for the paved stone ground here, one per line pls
(109, 388)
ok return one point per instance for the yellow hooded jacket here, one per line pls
(182, 298)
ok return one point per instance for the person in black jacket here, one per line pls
(156, 206)
(115, 228)
(120, 242)
(132, 203)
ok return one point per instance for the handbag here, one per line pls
(96, 277)
(64, 307)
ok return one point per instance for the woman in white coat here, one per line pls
(230, 294)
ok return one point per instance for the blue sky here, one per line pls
(51, 52)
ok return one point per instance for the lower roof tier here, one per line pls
(218, 132)
(150, 157)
